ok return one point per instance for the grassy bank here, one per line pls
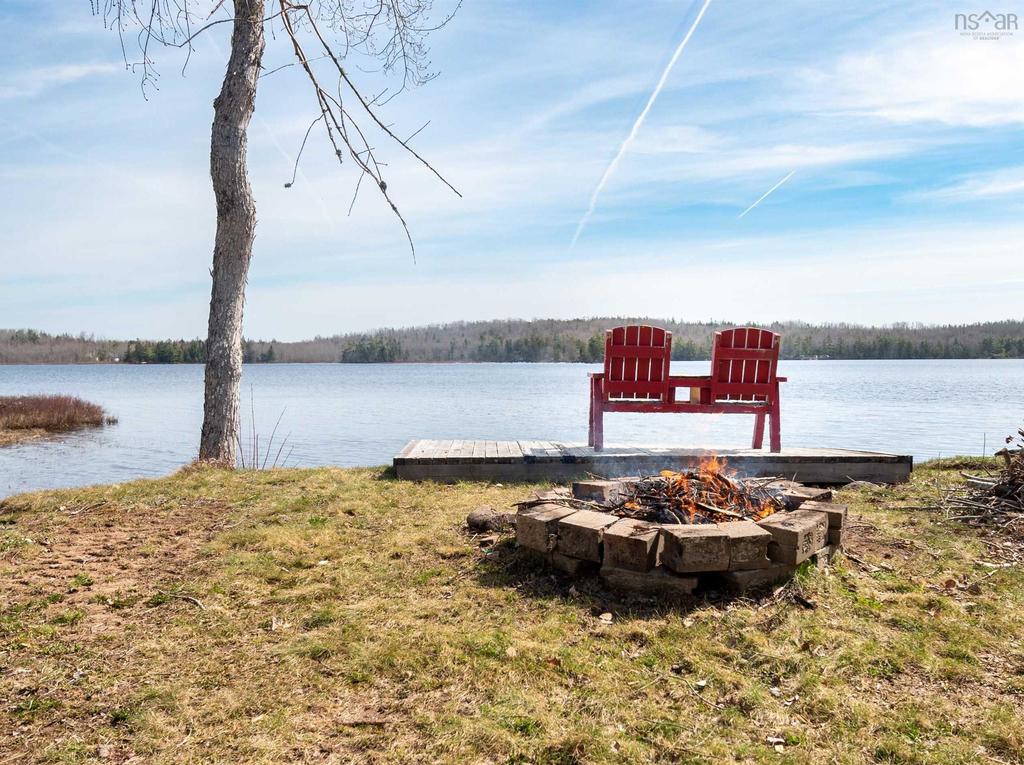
(26, 417)
(341, 616)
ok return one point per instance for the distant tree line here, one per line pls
(164, 352)
(572, 340)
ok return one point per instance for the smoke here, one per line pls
(636, 125)
(765, 195)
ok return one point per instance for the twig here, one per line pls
(189, 598)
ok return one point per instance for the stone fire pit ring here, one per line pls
(667, 559)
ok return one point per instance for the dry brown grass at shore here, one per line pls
(337, 616)
(24, 417)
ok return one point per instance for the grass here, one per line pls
(342, 616)
(26, 417)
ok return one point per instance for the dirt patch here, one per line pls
(10, 437)
(81, 586)
(94, 552)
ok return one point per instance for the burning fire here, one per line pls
(709, 494)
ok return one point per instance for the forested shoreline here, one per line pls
(564, 340)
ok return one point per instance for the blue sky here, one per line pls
(903, 138)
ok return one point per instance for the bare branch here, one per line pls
(391, 32)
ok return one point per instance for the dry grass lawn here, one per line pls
(342, 616)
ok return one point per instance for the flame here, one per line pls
(709, 493)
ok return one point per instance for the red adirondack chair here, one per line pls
(636, 378)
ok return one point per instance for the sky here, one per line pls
(890, 143)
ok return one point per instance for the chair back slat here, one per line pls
(744, 361)
(636, 363)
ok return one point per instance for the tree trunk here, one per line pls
(236, 226)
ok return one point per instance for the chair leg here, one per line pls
(776, 428)
(596, 435)
(591, 425)
(758, 441)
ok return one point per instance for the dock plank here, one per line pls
(441, 449)
(423, 451)
(406, 450)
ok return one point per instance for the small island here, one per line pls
(23, 418)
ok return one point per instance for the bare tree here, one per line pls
(320, 35)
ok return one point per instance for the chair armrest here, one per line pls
(596, 375)
(782, 379)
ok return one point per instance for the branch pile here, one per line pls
(707, 495)
(993, 501)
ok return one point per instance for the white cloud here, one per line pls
(1008, 181)
(31, 82)
(932, 77)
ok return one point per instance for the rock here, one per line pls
(632, 544)
(862, 485)
(486, 518)
(688, 549)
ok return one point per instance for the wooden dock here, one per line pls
(553, 461)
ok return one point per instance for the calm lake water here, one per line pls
(346, 414)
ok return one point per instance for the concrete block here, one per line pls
(692, 548)
(559, 492)
(796, 535)
(563, 563)
(748, 545)
(823, 557)
(795, 494)
(605, 492)
(836, 513)
(657, 582)
(536, 526)
(580, 534)
(573, 566)
(632, 544)
(762, 577)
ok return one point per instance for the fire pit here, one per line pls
(662, 534)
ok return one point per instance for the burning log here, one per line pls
(705, 495)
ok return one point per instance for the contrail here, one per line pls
(765, 195)
(636, 125)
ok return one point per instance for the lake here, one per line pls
(351, 414)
